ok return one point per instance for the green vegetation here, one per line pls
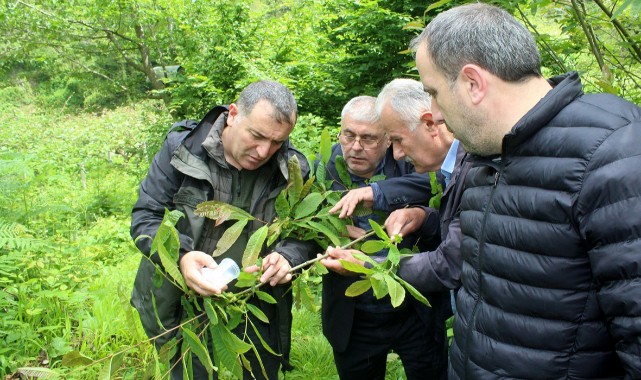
(82, 112)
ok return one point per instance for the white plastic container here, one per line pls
(223, 274)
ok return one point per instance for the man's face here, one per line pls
(251, 140)
(449, 104)
(362, 160)
(422, 147)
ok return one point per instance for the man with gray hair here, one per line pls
(238, 155)
(551, 278)
(362, 330)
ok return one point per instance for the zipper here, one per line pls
(479, 271)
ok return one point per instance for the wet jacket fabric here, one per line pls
(552, 245)
(338, 309)
(189, 169)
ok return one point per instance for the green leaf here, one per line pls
(254, 246)
(75, 358)
(357, 288)
(211, 311)
(325, 231)
(343, 173)
(281, 205)
(229, 237)
(198, 348)
(325, 147)
(373, 246)
(265, 297)
(320, 172)
(295, 185)
(366, 258)
(415, 293)
(437, 4)
(246, 280)
(36, 373)
(307, 187)
(305, 296)
(221, 212)
(308, 205)
(273, 232)
(353, 267)
(170, 264)
(110, 368)
(378, 286)
(380, 232)
(396, 291)
(257, 312)
(262, 341)
(393, 255)
(320, 268)
(224, 356)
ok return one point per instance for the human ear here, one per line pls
(428, 121)
(475, 82)
(232, 115)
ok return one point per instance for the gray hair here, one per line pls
(484, 35)
(362, 109)
(279, 96)
(407, 98)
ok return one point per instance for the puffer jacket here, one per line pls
(552, 245)
(190, 169)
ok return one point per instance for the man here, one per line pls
(238, 156)
(362, 330)
(551, 278)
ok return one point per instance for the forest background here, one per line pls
(88, 89)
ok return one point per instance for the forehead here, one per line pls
(349, 124)
(392, 123)
(261, 121)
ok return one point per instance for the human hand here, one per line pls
(354, 232)
(191, 265)
(347, 204)
(405, 221)
(275, 269)
(332, 262)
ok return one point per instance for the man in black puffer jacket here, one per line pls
(551, 213)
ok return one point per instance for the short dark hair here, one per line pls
(279, 96)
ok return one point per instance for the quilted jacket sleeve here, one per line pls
(609, 220)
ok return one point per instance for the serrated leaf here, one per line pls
(75, 358)
(325, 231)
(396, 291)
(306, 298)
(373, 246)
(265, 297)
(170, 265)
(254, 246)
(343, 173)
(295, 183)
(221, 211)
(281, 205)
(378, 230)
(415, 293)
(36, 373)
(234, 343)
(437, 5)
(320, 172)
(262, 341)
(338, 223)
(353, 267)
(307, 186)
(357, 288)
(211, 311)
(308, 205)
(325, 147)
(229, 237)
(110, 368)
(198, 348)
(223, 355)
(257, 313)
(273, 232)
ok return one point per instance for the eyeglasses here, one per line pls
(366, 142)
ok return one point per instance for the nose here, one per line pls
(398, 152)
(437, 115)
(262, 149)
